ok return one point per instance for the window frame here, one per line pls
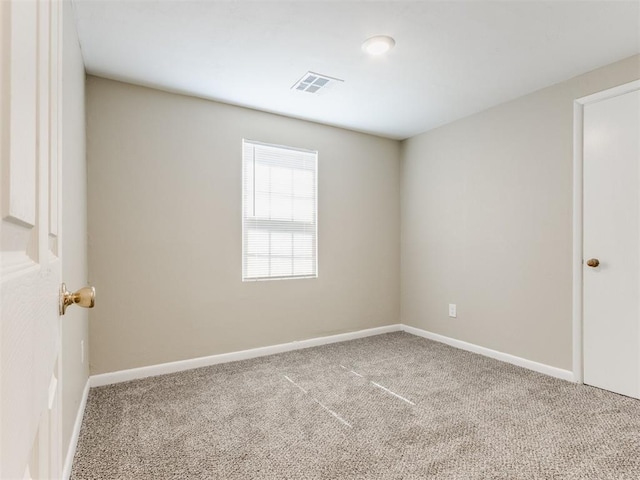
(244, 258)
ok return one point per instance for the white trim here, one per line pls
(179, 366)
(172, 367)
(577, 242)
(275, 145)
(487, 352)
(75, 434)
(610, 93)
(578, 114)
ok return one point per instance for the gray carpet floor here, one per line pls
(394, 406)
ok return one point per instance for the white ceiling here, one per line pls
(451, 59)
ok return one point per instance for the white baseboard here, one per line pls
(487, 352)
(172, 367)
(75, 434)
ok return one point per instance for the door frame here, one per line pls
(578, 189)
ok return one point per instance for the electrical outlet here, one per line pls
(452, 310)
(81, 351)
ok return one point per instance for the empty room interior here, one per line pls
(320, 240)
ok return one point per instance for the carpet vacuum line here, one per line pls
(338, 417)
(380, 386)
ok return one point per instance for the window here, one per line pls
(279, 212)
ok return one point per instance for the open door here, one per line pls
(611, 248)
(30, 263)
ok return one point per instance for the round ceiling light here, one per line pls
(378, 45)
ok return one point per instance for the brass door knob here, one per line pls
(85, 297)
(593, 262)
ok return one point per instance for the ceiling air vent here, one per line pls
(312, 82)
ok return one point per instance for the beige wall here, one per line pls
(486, 214)
(487, 222)
(74, 223)
(165, 230)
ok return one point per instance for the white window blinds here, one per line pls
(279, 212)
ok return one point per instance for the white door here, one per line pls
(30, 408)
(611, 290)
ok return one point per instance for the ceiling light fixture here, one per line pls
(378, 45)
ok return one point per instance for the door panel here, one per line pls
(611, 234)
(23, 48)
(30, 272)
